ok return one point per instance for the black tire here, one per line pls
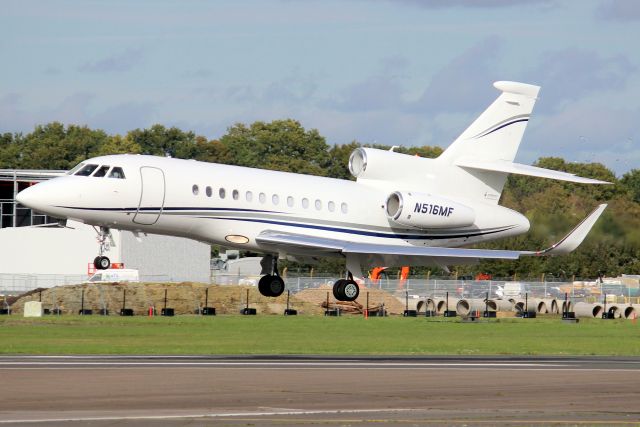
(337, 289)
(276, 286)
(263, 285)
(101, 263)
(350, 290)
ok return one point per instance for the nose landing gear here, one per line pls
(104, 238)
(270, 285)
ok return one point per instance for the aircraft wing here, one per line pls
(312, 245)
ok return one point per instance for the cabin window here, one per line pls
(222, 193)
(331, 206)
(249, 196)
(235, 194)
(195, 190)
(275, 199)
(75, 169)
(344, 208)
(290, 201)
(208, 191)
(305, 203)
(262, 197)
(318, 204)
(87, 170)
(116, 172)
(102, 171)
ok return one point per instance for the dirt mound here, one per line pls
(184, 298)
(376, 299)
(189, 298)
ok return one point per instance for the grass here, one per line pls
(314, 335)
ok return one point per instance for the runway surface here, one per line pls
(289, 390)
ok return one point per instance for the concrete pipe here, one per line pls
(441, 306)
(555, 308)
(532, 304)
(431, 304)
(549, 305)
(561, 306)
(503, 304)
(585, 309)
(491, 305)
(465, 307)
(518, 307)
(540, 306)
(628, 312)
(614, 309)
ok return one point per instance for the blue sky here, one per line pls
(396, 72)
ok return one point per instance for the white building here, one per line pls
(36, 252)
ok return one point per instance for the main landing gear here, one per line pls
(104, 238)
(346, 289)
(270, 285)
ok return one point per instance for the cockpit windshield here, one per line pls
(87, 170)
(117, 172)
(102, 171)
(75, 169)
(97, 171)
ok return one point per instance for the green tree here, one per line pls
(118, 144)
(161, 141)
(279, 145)
(52, 146)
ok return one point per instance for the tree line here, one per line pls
(553, 207)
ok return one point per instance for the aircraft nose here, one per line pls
(32, 197)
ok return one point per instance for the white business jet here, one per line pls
(402, 210)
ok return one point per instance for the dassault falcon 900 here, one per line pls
(401, 210)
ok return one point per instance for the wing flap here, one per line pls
(290, 240)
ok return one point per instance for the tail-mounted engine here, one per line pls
(421, 210)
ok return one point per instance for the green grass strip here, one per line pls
(315, 335)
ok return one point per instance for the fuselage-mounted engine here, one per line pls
(425, 211)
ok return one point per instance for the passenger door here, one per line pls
(152, 194)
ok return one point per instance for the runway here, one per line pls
(291, 390)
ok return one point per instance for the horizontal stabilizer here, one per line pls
(520, 169)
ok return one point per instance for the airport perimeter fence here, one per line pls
(16, 284)
(412, 289)
(439, 288)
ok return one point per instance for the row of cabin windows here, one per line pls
(275, 199)
(97, 172)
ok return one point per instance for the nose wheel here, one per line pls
(104, 238)
(101, 262)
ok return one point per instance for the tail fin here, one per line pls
(496, 134)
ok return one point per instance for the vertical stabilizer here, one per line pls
(497, 133)
(493, 137)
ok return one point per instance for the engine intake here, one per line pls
(426, 211)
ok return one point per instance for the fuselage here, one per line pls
(231, 205)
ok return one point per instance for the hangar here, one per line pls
(38, 251)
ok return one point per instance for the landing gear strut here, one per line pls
(101, 262)
(270, 285)
(346, 289)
